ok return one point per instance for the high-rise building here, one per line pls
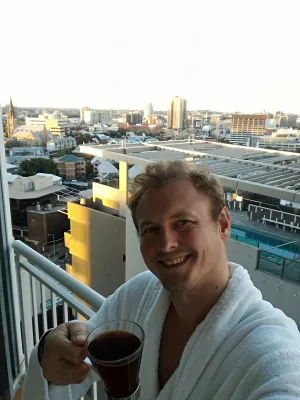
(177, 116)
(82, 112)
(11, 122)
(148, 110)
(92, 117)
(133, 118)
(288, 121)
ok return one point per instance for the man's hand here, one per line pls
(64, 353)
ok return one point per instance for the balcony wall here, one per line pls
(281, 294)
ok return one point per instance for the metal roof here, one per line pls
(239, 168)
(70, 158)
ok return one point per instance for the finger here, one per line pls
(81, 373)
(70, 352)
(67, 373)
(78, 332)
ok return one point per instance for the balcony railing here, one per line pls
(284, 268)
(278, 260)
(48, 296)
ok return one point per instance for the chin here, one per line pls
(175, 283)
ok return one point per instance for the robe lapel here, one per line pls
(153, 328)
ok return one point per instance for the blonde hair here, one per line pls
(166, 172)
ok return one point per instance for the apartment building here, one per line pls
(34, 206)
(71, 167)
(96, 242)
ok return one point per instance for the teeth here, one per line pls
(176, 261)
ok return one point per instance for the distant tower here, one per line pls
(11, 122)
(148, 110)
(82, 112)
(177, 115)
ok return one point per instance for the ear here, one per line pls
(225, 224)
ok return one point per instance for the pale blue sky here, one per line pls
(219, 54)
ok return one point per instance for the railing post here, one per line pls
(283, 266)
(26, 309)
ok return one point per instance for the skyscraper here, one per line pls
(92, 117)
(148, 110)
(11, 122)
(82, 112)
(133, 118)
(177, 117)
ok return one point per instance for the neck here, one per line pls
(205, 294)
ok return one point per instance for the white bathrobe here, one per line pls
(245, 349)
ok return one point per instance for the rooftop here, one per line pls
(70, 158)
(267, 172)
(55, 177)
(59, 207)
(11, 166)
(15, 193)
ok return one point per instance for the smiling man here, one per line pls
(208, 333)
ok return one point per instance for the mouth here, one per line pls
(175, 262)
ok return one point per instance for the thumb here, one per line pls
(78, 332)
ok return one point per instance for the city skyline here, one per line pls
(221, 56)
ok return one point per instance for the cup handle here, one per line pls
(94, 372)
(88, 363)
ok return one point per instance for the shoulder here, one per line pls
(263, 353)
(135, 288)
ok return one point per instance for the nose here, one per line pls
(168, 240)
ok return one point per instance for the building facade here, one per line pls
(55, 123)
(148, 110)
(82, 113)
(96, 252)
(71, 167)
(92, 117)
(38, 194)
(248, 123)
(133, 118)
(177, 114)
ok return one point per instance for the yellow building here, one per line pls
(96, 240)
(82, 112)
(248, 123)
(57, 126)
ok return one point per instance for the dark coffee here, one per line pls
(119, 380)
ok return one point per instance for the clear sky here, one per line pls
(226, 55)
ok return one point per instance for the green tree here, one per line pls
(89, 170)
(35, 165)
(63, 152)
(122, 131)
(87, 138)
(5, 130)
(115, 134)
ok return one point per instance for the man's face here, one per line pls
(179, 240)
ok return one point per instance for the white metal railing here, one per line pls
(42, 285)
